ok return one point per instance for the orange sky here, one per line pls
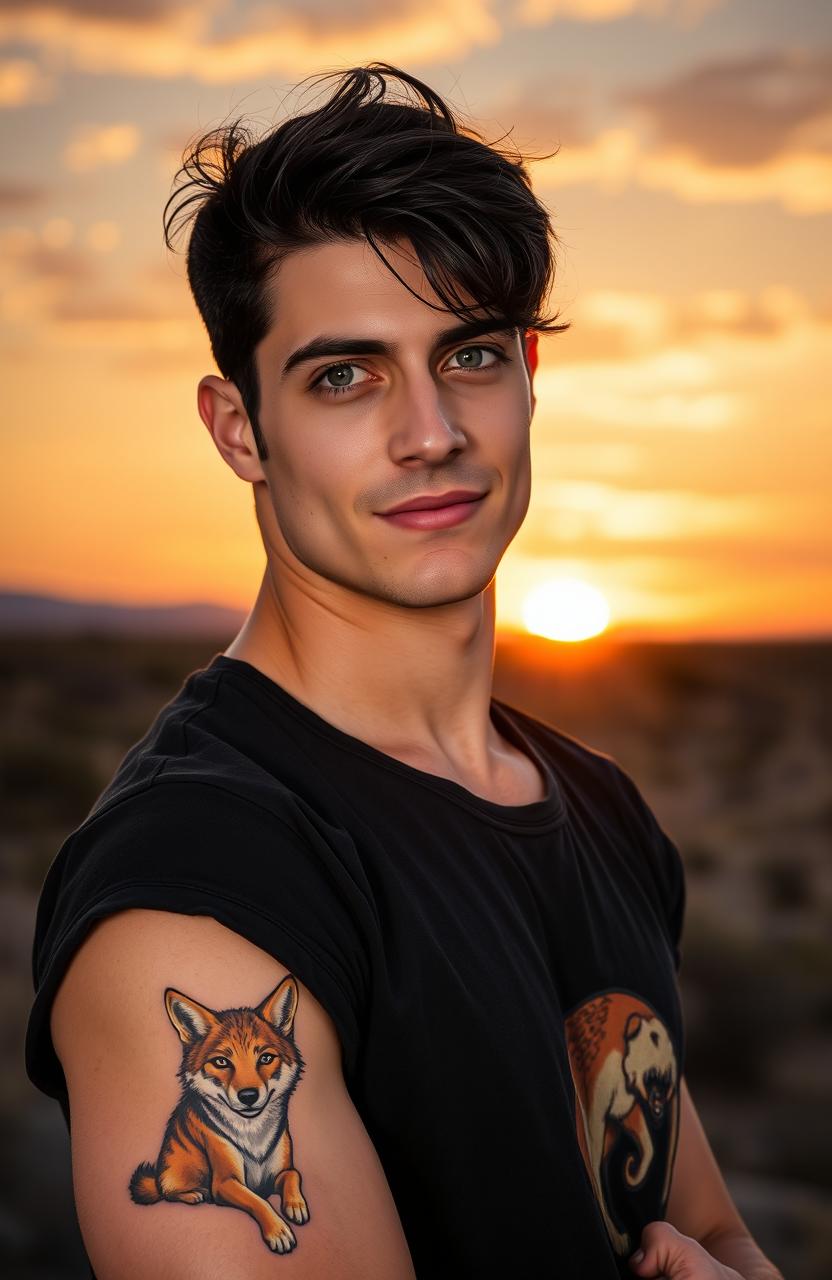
(681, 442)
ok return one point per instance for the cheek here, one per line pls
(509, 448)
(319, 474)
(506, 420)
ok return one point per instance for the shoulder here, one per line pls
(596, 786)
(595, 782)
(255, 864)
(210, 766)
(202, 736)
(202, 845)
(583, 771)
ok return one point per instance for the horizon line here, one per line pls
(623, 632)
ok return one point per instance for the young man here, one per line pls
(348, 945)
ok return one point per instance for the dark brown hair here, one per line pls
(360, 165)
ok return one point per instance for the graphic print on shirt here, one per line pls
(625, 1070)
(227, 1140)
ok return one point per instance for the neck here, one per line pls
(415, 683)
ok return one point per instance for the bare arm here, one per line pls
(213, 1137)
(700, 1204)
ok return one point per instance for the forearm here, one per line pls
(741, 1253)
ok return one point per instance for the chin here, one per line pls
(433, 593)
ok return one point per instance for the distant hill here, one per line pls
(22, 611)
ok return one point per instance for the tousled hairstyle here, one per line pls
(359, 166)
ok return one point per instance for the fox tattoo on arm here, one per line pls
(227, 1140)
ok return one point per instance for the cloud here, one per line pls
(125, 11)
(801, 182)
(289, 39)
(536, 13)
(574, 511)
(60, 296)
(738, 131)
(34, 275)
(540, 115)
(22, 82)
(619, 157)
(675, 388)
(742, 111)
(95, 146)
(609, 161)
(15, 195)
(104, 236)
(41, 262)
(613, 324)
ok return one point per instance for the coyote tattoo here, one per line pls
(227, 1140)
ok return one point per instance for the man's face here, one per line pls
(353, 433)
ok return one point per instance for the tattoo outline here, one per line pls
(227, 1140)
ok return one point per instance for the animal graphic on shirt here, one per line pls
(227, 1140)
(626, 1079)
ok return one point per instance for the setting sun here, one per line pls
(565, 609)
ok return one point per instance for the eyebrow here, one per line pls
(330, 345)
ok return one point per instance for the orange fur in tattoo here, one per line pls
(227, 1140)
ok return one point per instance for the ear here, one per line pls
(279, 1007)
(221, 408)
(633, 1025)
(191, 1020)
(529, 340)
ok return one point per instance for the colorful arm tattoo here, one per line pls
(227, 1140)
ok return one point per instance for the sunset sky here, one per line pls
(681, 444)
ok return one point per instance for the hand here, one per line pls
(669, 1254)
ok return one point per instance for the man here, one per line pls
(410, 953)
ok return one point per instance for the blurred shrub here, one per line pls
(45, 782)
(785, 882)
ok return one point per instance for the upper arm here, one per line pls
(700, 1203)
(147, 1004)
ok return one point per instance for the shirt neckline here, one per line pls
(537, 815)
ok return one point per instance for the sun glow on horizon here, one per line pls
(565, 609)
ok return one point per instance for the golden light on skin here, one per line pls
(565, 609)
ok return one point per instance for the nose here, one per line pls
(424, 428)
(248, 1097)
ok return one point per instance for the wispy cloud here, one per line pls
(535, 13)
(18, 196)
(97, 145)
(56, 291)
(147, 11)
(575, 511)
(736, 131)
(676, 388)
(620, 157)
(619, 323)
(294, 38)
(743, 111)
(800, 181)
(23, 82)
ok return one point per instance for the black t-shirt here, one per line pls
(503, 978)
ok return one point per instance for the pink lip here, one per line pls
(435, 517)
